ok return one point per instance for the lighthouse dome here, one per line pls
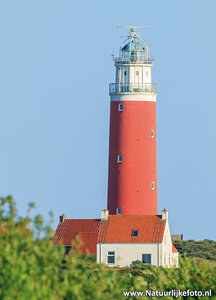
(133, 51)
(133, 46)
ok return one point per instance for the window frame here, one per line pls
(120, 159)
(135, 231)
(119, 209)
(121, 107)
(109, 255)
(147, 255)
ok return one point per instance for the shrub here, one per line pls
(31, 267)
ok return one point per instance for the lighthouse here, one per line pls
(130, 228)
(132, 172)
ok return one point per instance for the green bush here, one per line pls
(31, 267)
(205, 249)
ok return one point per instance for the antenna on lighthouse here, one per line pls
(133, 35)
(132, 28)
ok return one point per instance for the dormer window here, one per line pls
(134, 232)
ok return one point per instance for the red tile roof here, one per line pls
(70, 228)
(174, 249)
(118, 229)
(89, 242)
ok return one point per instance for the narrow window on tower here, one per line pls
(125, 73)
(153, 185)
(137, 72)
(152, 133)
(119, 211)
(120, 158)
(121, 107)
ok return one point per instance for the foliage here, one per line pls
(205, 249)
(31, 267)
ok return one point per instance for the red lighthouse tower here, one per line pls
(132, 179)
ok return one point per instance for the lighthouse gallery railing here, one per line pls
(119, 88)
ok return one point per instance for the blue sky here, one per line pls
(55, 66)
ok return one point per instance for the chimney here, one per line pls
(164, 214)
(104, 215)
(62, 218)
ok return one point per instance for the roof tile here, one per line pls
(118, 229)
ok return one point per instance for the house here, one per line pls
(118, 240)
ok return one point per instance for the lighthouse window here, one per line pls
(152, 133)
(111, 257)
(125, 73)
(121, 107)
(119, 211)
(120, 158)
(153, 185)
(134, 232)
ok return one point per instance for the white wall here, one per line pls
(144, 75)
(125, 253)
(168, 258)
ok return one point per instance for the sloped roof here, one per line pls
(174, 249)
(67, 231)
(89, 241)
(118, 229)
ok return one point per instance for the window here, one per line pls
(153, 185)
(137, 72)
(120, 158)
(119, 211)
(67, 249)
(135, 232)
(152, 133)
(146, 74)
(111, 257)
(146, 258)
(121, 107)
(125, 73)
